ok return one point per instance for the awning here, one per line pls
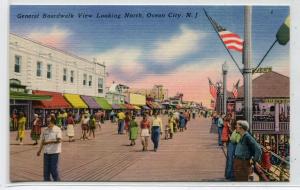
(75, 101)
(137, 107)
(102, 102)
(122, 106)
(90, 101)
(115, 106)
(57, 101)
(156, 105)
(146, 108)
(129, 106)
(24, 96)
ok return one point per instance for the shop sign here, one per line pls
(263, 70)
(276, 101)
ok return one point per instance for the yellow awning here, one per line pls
(75, 101)
(137, 107)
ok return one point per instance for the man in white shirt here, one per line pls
(51, 142)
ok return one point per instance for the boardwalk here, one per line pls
(192, 155)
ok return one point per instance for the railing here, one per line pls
(284, 126)
(263, 126)
(280, 172)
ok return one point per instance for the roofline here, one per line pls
(265, 73)
(56, 49)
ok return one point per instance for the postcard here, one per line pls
(149, 93)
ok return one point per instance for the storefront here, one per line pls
(270, 111)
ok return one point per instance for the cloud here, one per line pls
(184, 43)
(54, 36)
(123, 63)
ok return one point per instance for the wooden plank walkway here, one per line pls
(192, 155)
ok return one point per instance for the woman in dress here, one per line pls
(133, 131)
(145, 132)
(21, 127)
(127, 121)
(36, 129)
(70, 127)
(225, 131)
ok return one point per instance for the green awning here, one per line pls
(103, 103)
(24, 96)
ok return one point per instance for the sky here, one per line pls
(178, 52)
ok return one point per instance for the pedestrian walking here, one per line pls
(70, 127)
(171, 124)
(59, 120)
(133, 131)
(156, 130)
(234, 139)
(220, 125)
(98, 116)
(21, 127)
(126, 121)
(182, 121)
(36, 129)
(112, 116)
(145, 132)
(84, 127)
(51, 143)
(92, 126)
(121, 122)
(247, 149)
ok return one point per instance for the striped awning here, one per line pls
(146, 108)
(90, 101)
(103, 103)
(137, 107)
(57, 101)
(75, 100)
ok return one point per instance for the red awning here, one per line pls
(57, 101)
(129, 107)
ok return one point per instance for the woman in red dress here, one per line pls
(226, 131)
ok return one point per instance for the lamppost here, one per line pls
(225, 70)
(219, 97)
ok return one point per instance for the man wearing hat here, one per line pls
(246, 149)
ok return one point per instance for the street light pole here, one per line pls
(225, 70)
(247, 59)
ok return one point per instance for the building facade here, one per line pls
(41, 67)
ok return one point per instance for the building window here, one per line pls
(17, 64)
(72, 77)
(90, 80)
(65, 75)
(49, 71)
(39, 69)
(100, 85)
(84, 79)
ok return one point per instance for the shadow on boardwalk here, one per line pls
(192, 155)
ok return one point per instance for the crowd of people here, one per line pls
(243, 151)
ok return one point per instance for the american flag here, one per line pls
(212, 89)
(230, 39)
(235, 89)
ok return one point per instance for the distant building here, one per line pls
(158, 92)
(117, 94)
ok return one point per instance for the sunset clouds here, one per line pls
(54, 36)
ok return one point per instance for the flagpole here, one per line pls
(247, 61)
(208, 17)
(264, 56)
